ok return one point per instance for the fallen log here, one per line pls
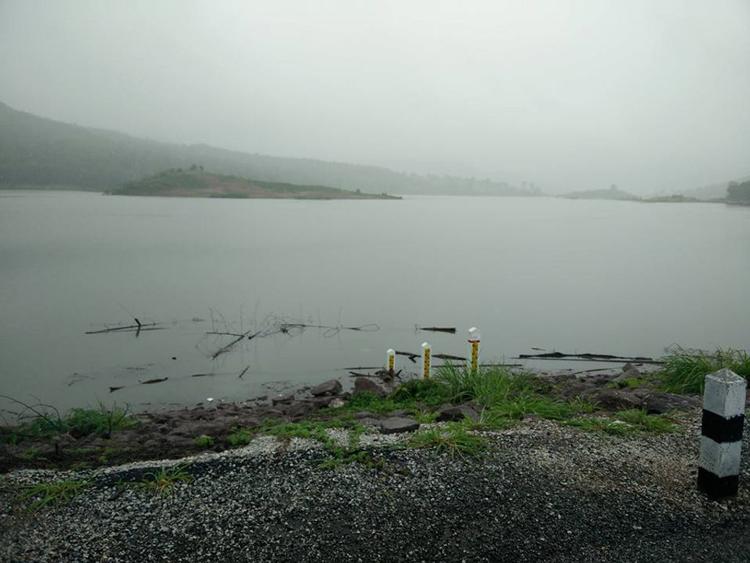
(156, 380)
(587, 357)
(450, 330)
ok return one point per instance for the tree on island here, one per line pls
(739, 192)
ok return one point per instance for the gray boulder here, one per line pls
(397, 425)
(330, 387)
(457, 413)
(365, 385)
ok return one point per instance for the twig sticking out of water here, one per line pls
(137, 327)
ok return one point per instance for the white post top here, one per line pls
(425, 345)
(725, 393)
(391, 352)
(474, 333)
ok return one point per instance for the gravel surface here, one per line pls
(543, 492)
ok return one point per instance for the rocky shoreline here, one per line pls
(173, 433)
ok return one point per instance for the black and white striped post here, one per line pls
(721, 434)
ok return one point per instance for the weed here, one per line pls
(626, 422)
(163, 481)
(684, 371)
(240, 437)
(50, 494)
(204, 441)
(453, 440)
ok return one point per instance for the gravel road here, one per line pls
(542, 493)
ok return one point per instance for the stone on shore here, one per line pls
(398, 424)
(365, 385)
(457, 413)
(330, 387)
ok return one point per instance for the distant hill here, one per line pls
(612, 194)
(40, 152)
(195, 182)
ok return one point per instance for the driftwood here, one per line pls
(113, 389)
(412, 357)
(202, 375)
(156, 380)
(450, 330)
(449, 357)
(243, 372)
(233, 342)
(138, 327)
(589, 358)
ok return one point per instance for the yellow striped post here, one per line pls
(391, 360)
(474, 339)
(426, 360)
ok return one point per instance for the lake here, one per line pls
(576, 276)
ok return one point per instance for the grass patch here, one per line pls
(240, 437)
(78, 422)
(204, 441)
(684, 371)
(163, 481)
(453, 440)
(623, 423)
(51, 494)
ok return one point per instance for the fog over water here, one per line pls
(647, 95)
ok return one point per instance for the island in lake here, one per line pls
(195, 182)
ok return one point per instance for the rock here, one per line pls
(631, 373)
(330, 387)
(365, 385)
(457, 412)
(298, 409)
(320, 402)
(398, 424)
(200, 427)
(615, 399)
(336, 403)
(369, 421)
(660, 403)
(283, 398)
(363, 414)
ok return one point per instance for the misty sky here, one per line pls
(649, 95)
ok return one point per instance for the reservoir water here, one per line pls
(576, 276)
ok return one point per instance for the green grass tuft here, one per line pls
(50, 494)
(453, 439)
(623, 423)
(204, 441)
(240, 437)
(684, 371)
(163, 481)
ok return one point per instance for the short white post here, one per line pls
(474, 338)
(721, 434)
(426, 359)
(391, 360)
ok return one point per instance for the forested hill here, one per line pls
(40, 152)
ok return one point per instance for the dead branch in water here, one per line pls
(229, 346)
(156, 380)
(243, 372)
(137, 327)
(587, 357)
(447, 329)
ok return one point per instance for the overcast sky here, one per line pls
(649, 95)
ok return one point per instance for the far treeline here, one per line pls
(739, 192)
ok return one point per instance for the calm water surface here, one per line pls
(586, 276)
